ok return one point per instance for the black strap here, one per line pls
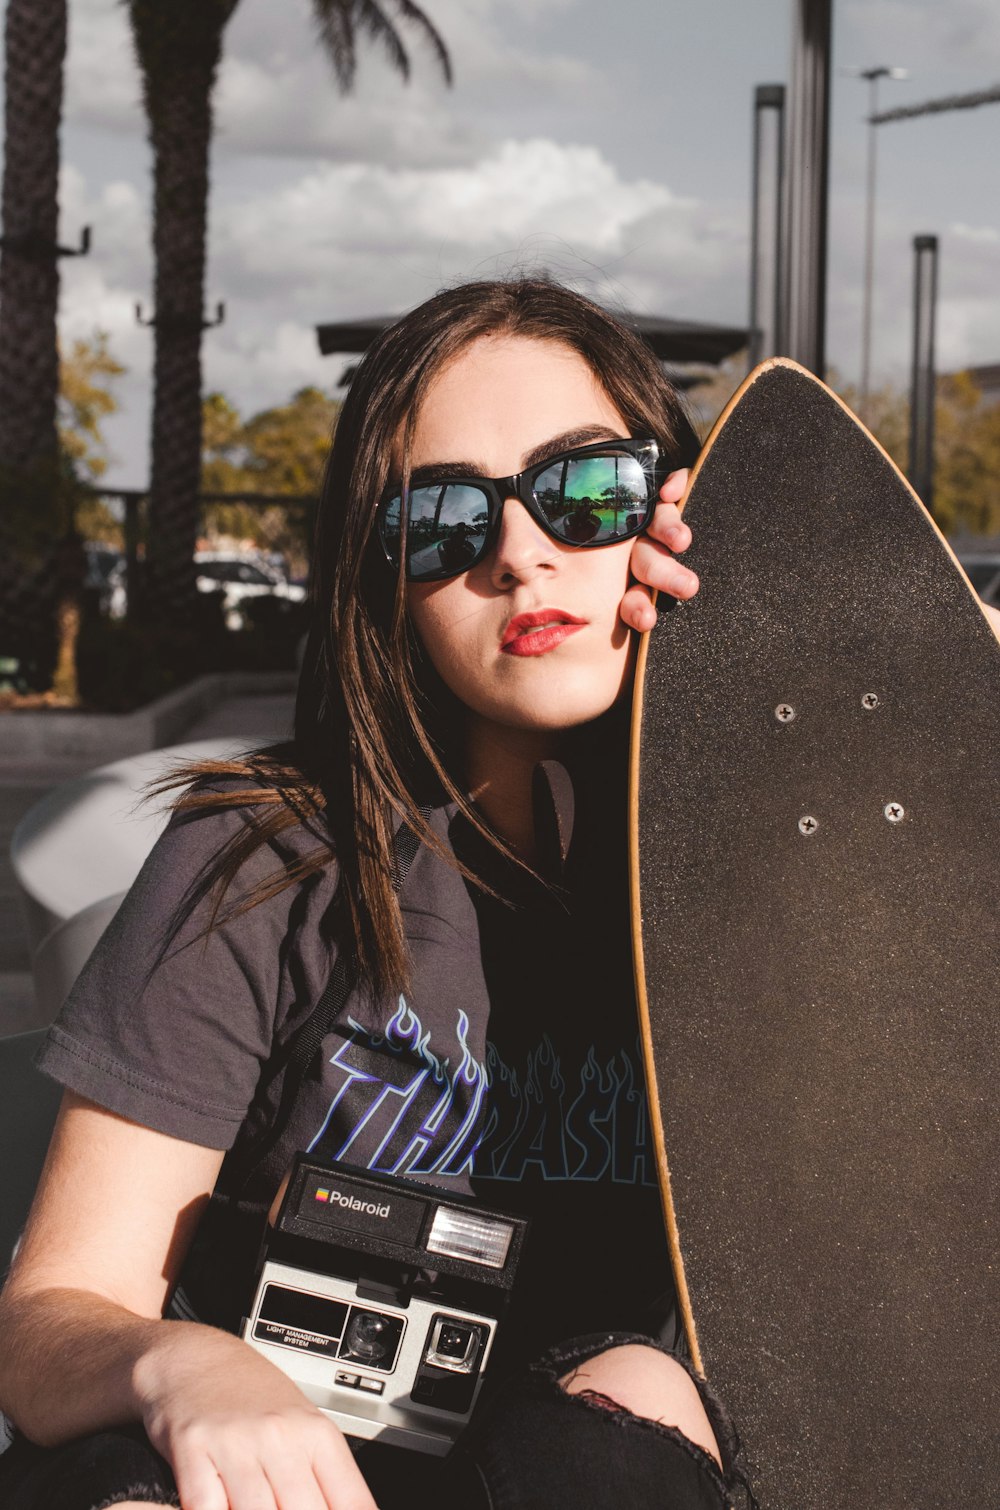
(309, 1035)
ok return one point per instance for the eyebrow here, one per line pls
(567, 441)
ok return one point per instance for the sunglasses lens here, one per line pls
(595, 498)
(446, 529)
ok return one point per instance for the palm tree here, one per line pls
(31, 490)
(179, 45)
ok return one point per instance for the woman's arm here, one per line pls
(82, 1345)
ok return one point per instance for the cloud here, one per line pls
(102, 80)
(927, 37)
(346, 239)
(276, 95)
(367, 232)
(978, 235)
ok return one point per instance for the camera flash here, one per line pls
(465, 1234)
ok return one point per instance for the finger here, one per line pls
(653, 565)
(668, 528)
(339, 1476)
(244, 1481)
(294, 1484)
(636, 610)
(675, 486)
(199, 1486)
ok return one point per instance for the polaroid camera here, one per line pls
(380, 1297)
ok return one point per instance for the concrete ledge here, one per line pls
(96, 738)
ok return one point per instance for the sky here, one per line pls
(610, 145)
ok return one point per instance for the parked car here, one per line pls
(239, 576)
(984, 574)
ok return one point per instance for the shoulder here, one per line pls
(233, 841)
(222, 811)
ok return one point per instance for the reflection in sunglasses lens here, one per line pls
(446, 528)
(597, 498)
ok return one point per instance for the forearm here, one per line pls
(228, 1422)
(72, 1362)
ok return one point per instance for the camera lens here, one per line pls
(367, 1335)
(454, 1341)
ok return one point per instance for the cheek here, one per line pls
(442, 618)
(612, 576)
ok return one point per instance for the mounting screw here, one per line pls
(870, 700)
(808, 825)
(894, 812)
(784, 713)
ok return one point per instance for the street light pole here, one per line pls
(767, 202)
(872, 75)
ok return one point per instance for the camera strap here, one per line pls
(309, 1035)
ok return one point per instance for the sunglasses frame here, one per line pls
(520, 485)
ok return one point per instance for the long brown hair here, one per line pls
(376, 732)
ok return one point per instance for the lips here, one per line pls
(540, 630)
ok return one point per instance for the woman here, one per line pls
(466, 680)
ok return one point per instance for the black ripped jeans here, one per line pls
(531, 1447)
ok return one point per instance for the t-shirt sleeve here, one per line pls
(172, 1029)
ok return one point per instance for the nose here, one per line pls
(522, 547)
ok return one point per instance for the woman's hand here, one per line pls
(654, 562)
(83, 1346)
(238, 1434)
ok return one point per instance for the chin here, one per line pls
(556, 714)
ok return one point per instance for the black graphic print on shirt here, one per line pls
(400, 1108)
(566, 1121)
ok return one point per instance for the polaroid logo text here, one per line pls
(351, 1203)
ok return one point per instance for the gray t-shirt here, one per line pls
(510, 1069)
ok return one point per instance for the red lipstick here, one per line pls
(539, 631)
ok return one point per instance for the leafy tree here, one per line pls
(86, 398)
(279, 450)
(967, 458)
(179, 45)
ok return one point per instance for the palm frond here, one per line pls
(416, 14)
(370, 17)
(339, 22)
(335, 25)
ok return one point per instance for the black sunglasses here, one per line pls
(593, 495)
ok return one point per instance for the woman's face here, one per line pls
(503, 403)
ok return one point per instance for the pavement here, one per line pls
(265, 717)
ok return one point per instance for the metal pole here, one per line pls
(804, 322)
(872, 76)
(925, 258)
(766, 220)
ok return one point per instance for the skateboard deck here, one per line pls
(815, 841)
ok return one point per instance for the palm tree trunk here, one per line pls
(180, 201)
(179, 46)
(32, 498)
